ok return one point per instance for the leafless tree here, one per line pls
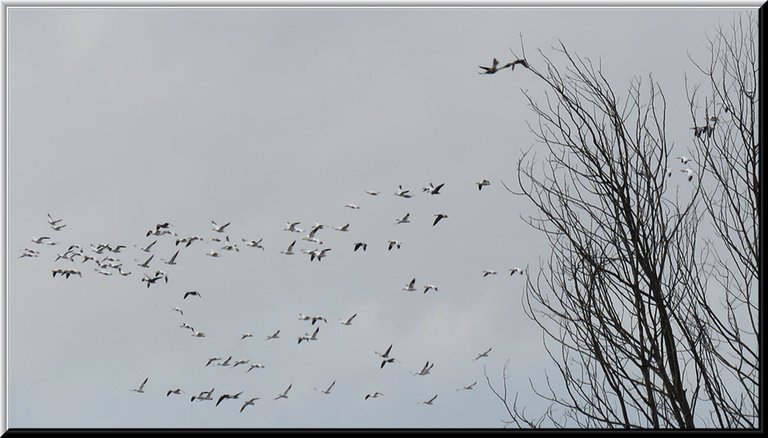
(639, 335)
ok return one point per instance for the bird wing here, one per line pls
(351, 318)
(433, 398)
(412, 283)
(143, 383)
(329, 388)
(386, 353)
(437, 189)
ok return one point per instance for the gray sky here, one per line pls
(119, 119)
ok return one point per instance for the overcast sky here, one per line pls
(119, 119)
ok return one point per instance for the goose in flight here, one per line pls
(213, 253)
(254, 365)
(176, 391)
(393, 243)
(53, 221)
(494, 67)
(226, 396)
(42, 240)
(359, 245)
(198, 334)
(374, 395)
(284, 393)
(327, 391)
(485, 354)
(523, 62)
(669, 172)
(58, 227)
(102, 272)
(433, 190)
(151, 280)
(425, 370)
(320, 255)
(172, 261)
(249, 403)
(684, 159)
(348, 321)
(386, 353)
(193, 293)
(148, 247)
(254, 243)
(145, 264)
(438, 217)
(689, 172)
(291, 226)
(372, 193)
(176, 308)
(429, 402)
(204, 395)
(240, 362)
(67, 272)
(304, 317)
(481, 184)
(403, 193)
(219, 228)
(352, 206)
(225, 363)
(430, 286)
(342, 228)
(410, 286)
(289, 251)
(515, 270)
(185, 325)
(313, 240)
(487, 272)
(140, 389)
(189, 240)
(116, 249)
(318, 318)
(29, 253)
(246, 335)
(467, 387)
(212, 359)
(274, 335)
(307, 336)
(404, 220)
(230, 247)
(152, 232)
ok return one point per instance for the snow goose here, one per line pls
(58, 227)
(291, 226)
(193, 293)
(410, 286)
(386, 353)
(198, 334)
(219, 228)
(42, 240)
(429, 402)
(485, 354)
(359, 245)
(172, 260)
(177, 309)
(176, 391)
(185, 325)
(124, 274)
(246, 335)
(515, 270)
(494, 67)
(249, 403)
(102, 272)
(425, 370)
(145, 264)
(227, 396)
(274, 335)
(403, 193)
(430, 286)
(53, 221)
(284, 394)
(342, 228)
(352, 206)
(374, 395)
(483, 183)
(432, 190)
(225, 363)
(307, 337)
(240, 362)
(205, 395)
(438, 217)
(683, 159)
(467, 387)
(140, 389)
(372, 192)
(254, 365)
(327, 391)
(393, 243)
(212, 359)
(254, 243)
(487, 272)
(213, 253)
(404, 220)
(689, 172)
(289, 251)
(348, 321)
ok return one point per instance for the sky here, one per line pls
(119, 119)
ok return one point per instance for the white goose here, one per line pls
(352, 206)
(327, 391)
(429, 402)
(254, 243)
(176, 391)
(404, 220)
(372, 192)
(483, 183)
(274, 335)
(291, 226)
(348, 321)
(172, 260)
(485, 354)
(688, 172)
(289, 251)
(430, 286)
(374, 395)
(425, 370)
(342, 228)
(254, 365)
(410, 286)
(249, 403)
(467, 387)
(140, 389)
(219, 229)
(246, 335)
(284, 394)
(403, 193)
(393, 243)
(487, 272)
(176, 308)
(515, 270)
(145, 264)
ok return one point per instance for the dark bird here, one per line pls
(438, 217)
(359, 245)
(193, 293)
(226, 396)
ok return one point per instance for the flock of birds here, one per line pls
(105, 259)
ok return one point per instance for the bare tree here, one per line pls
(634, 326)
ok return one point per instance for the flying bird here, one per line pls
(172, 261)
(289, 251)
(246, 335)
(274, 335)
(438, 217)
(404, 220)
(467, 387)
(359, 245)
(212, 359)
(348, 321)
(291, 226)
(176, 391)
(410, 286)
(487, 272)
(342, 228)
(140, 389)
(374, 395)
(393, 243)
(372, 193)
(178, 310)
(430, 286)
(485, 354)
(482, 183)
(284, 394)
(204, 395)
(213, 253)
(352, 206)
(226, 396)
(515, 270)
(219, 229)
(254, 244)
(145, 264)
(254, 365)
(433, 190)
(249, 403)
(327, 390)
(425, 370)
(193, 293)
(689, 172)
(684, 159)
(494, 67)
(53, 221)
(403, 193)
(429, 402)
